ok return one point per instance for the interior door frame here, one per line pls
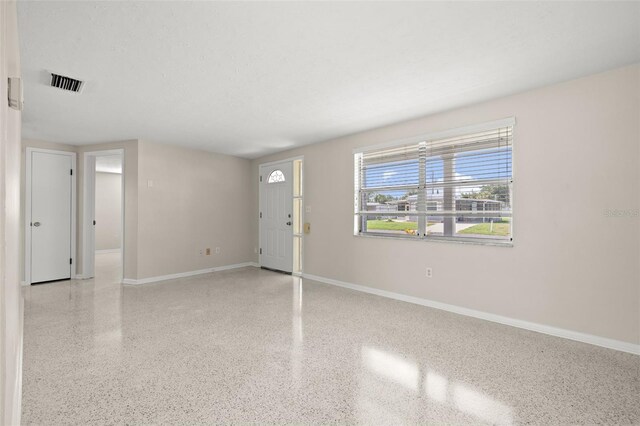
(271, 163)
(27, 209)
(88, 210)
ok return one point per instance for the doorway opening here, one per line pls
(103, 232)
(281, 215)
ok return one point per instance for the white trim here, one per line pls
(531, 326)
(303, 218)
(88, 210)
(474, 128)
(27, 209)
(284, 160)
(514, 143)
(104, 251)
(88, 230)
(115, 151)
(440, 240)
(131, 281)
(234, 266)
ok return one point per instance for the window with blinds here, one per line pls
(452, 186)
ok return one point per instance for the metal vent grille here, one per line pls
(66, 83)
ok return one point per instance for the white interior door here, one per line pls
(276, 216)
(50, 222)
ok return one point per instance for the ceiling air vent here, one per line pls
(66, 83)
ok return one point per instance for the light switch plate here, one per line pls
(14, 90)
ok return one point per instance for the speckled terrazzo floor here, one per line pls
(256, 346)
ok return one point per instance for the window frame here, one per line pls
(359, 216)
(279, 176)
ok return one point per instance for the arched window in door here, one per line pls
(276, 176)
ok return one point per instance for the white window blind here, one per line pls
(456, 187)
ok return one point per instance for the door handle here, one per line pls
(289, 223)
(36, 224)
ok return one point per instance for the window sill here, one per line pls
(440, 240)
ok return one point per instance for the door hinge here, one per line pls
(71, 172)
(260, 215)
(260, 178)
(260, 251)
(94, 222)
(70, 261)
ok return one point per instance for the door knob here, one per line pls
(289, 223)
(36, 223)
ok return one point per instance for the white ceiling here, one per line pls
(109, 163)
(248, 78)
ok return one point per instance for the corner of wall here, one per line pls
(10, 152)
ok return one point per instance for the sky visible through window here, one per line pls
(471, 166)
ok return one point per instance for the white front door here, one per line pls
(276, 216)
(50, 223)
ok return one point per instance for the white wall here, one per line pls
(108, 210)
(576, 153)
(10, 299)
(198, 200)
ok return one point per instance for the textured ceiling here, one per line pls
(252, 78)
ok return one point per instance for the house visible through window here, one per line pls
(455, 186)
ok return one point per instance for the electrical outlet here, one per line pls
(217, 250)
(429, 272)
(200, 252)
(207, 251)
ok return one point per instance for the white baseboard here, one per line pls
(115, 250)
(540, 328)
(73, 277)
(130, 281)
